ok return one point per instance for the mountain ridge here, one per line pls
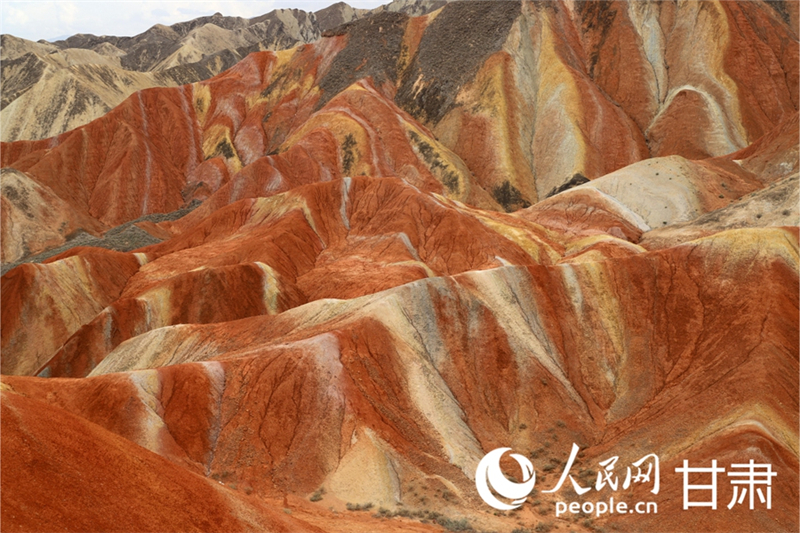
(162, 56)
(315, 289)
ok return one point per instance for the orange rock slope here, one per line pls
(493, 104)
(417, 240)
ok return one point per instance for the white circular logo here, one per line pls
(489, 473)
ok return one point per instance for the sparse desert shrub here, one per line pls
(549, 467)
(543, 527)
(358, 506)
(383, 513)
(460, 524)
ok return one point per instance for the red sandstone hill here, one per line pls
(403, 246)
(51, 88)
(494, 104)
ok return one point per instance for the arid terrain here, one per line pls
(51, 88)
(310, 292)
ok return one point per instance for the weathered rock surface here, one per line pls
(340, 239)
(425, 376)
(47, 95)
(63, 296)
(417, 240)
(34, 218)
(418, 106)
(49, 89)
(122, 486)
(775, 205)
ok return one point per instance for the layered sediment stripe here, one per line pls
(68, 294)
